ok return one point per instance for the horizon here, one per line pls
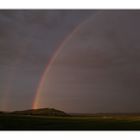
(86, 113)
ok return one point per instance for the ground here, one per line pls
(27, 122)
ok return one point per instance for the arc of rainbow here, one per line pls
(55, 54)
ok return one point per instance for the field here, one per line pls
(29, 122)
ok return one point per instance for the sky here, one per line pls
(94, 55)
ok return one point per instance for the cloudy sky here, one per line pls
(96, 70)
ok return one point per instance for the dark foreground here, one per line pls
(22, 122)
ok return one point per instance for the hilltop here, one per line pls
(41, 112)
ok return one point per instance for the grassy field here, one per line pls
(22, 122)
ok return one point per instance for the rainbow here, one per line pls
(35, 104)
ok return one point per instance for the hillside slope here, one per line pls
(41, 112)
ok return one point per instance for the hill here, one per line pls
(41, 112)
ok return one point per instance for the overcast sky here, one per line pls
(98, 69)
(27, 41)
